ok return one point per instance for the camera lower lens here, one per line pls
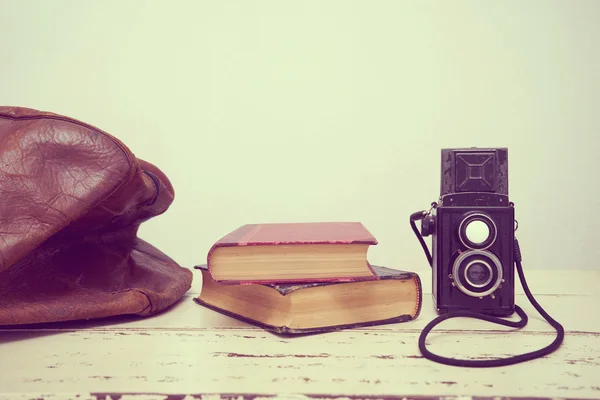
(477, 273)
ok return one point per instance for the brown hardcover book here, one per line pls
(394, 296)
(292, 253)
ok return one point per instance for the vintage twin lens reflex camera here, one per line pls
(472, 228)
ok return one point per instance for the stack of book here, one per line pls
(305, 278)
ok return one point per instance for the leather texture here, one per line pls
(72, 198)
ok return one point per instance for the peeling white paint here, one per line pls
(190, 353)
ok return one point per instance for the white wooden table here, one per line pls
(190, 352)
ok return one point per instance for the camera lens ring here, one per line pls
(482, 254)
(472, 217)
(481, 262)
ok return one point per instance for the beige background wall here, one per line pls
(284, 111)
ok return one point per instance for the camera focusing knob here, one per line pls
(427, 225)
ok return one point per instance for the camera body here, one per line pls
(472, 229)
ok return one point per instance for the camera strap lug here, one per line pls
(433, 205)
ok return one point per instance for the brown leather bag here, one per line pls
(71, 200)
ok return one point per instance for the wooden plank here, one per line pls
(242, 396)
(189, 315)
(190, 349)
(249, 361)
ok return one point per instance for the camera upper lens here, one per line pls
(477, 231)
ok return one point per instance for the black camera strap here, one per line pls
(513, 324)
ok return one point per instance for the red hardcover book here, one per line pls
(292, 252)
